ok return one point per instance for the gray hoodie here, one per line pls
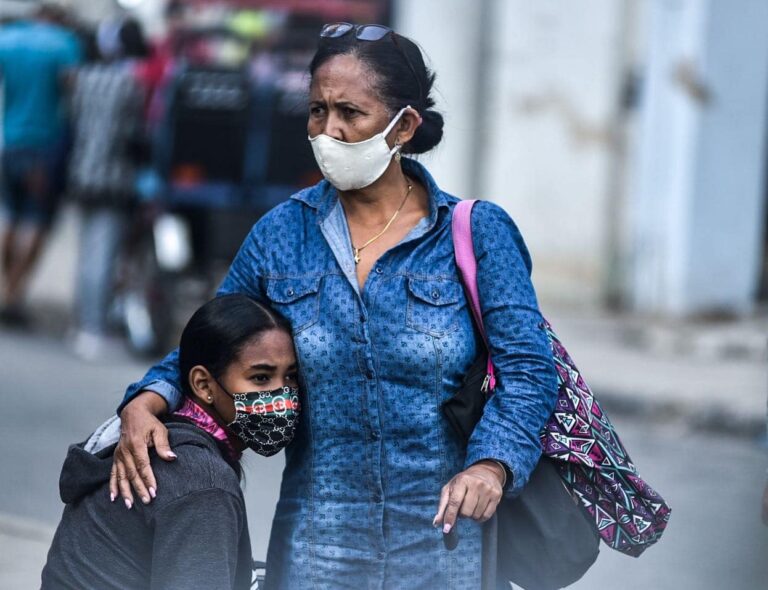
(193, 535)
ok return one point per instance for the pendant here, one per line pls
(357, 256)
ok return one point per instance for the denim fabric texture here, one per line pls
(372, 452)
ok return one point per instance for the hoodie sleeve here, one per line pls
(196, 541)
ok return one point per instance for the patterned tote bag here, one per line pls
(579, 438)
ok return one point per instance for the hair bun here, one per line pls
(428, 134)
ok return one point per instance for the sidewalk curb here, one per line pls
(713, 417)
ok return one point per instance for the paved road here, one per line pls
(50, 399)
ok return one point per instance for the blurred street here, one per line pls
(713, 483)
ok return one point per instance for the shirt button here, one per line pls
(379, 270)
(369, 374)
(377, 498)
(435, 294)
(382, 556)
(289, 292)
(376, 435)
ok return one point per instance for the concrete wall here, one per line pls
(662, 208)
(555, 76)
(449, 33)
(530, 91)
(698, 199)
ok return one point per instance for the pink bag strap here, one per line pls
(464, 251)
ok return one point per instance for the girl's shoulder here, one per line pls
(199, 466)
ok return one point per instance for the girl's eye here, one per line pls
(260, 378)
(292, 377)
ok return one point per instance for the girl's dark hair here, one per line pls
(217, 332)
(399, 83)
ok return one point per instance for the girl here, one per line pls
(240, 389)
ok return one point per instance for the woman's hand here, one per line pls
(139, 430)
(474, 493)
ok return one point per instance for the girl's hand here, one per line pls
(139, 430)
(474, 493)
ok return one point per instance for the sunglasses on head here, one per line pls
(369, 33)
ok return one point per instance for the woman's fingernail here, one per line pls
(111, 497)
(128, 504)
(172, 454)
(434, 523)
(145, 499)
(447, 528)
(152, 492)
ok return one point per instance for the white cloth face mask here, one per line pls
(349, 166)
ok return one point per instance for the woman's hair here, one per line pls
(218, 331)
(398, 83)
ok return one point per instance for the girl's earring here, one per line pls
(398, 155)
(210, 399)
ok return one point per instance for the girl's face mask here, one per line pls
(350, 166)
(265, 421)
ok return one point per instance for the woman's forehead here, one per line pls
(344, 78)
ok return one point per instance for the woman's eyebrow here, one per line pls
(345, 103)
(264, 367)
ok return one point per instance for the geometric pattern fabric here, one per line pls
(629, 515)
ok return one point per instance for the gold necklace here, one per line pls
(386, 227)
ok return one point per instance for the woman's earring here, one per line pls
(210, 399)
(398, 155)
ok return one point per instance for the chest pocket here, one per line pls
(433, 305)
(298, 299)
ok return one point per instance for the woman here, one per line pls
(237, 355)
(362, 264)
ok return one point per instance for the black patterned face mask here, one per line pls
(265, 421)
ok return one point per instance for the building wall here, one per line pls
(555, 77)
(530, 91)
(661, 208)
(698, 195)
(449, 33)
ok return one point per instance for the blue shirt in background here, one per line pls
(33, 57)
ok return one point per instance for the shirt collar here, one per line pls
(323, 196)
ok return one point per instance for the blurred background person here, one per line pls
(156, 69)
(107, 111)
(35, 56)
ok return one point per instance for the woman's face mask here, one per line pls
(350, 166)
(265, 421)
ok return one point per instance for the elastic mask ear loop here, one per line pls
(224, 389)
(396, 148)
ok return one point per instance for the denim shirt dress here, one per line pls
(363, 476)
